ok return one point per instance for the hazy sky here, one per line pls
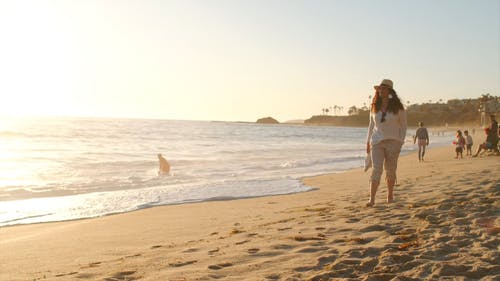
(240, 60)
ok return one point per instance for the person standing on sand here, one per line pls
(468, 143)
(494, 133)
(164, 165)
(386, 135)
(422, 136)
(459, 144)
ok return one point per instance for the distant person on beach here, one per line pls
(422, 138)
(386, 135)
(494, 132)
(459, 144)
(468, 142)
(487, 144)
(164, 165)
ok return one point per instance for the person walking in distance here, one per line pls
(422, 138)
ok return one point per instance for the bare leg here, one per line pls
(390, 190)
(423, 152)
(373, 192)
(419, 153)
(478, 150)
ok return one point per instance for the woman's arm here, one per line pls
(402, 124)
(370, 132)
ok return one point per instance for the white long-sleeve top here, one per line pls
(393, 128)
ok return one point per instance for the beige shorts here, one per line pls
(385, 154)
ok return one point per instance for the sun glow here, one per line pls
(37, 60)
(235, 60)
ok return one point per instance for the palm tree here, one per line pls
(352, 110)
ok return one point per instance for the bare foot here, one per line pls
(370, 204)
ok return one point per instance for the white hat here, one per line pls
(385, 83)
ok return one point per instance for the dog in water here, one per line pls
(164, 165)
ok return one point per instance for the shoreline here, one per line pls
(147, 205)
(327, 233)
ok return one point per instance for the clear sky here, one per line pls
(240, 60)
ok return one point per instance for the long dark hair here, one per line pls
(394, 106)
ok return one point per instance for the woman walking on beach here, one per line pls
(422, 136)
(386, 135)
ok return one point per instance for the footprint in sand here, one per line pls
(64, 274)
(360, 240)
(313, 249)
(283, 247)
(133, 256)
(92, 264)
(219, 265)
(273, 276)
(181, 263)
(122, 275)
(353, 220)
(236, 231)
(253, 250)
(321, 262)
(375, 227)
(86, 276)
(211, 252)
(300, 238)
(191, 250)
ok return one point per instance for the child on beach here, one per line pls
(459, 144)
(468, 143)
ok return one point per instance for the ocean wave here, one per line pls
(80, 158)
(11, 221)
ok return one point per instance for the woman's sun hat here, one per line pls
(385, 83)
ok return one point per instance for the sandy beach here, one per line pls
(444, 225)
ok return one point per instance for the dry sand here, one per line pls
(443, 225)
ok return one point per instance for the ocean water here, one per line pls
(54, 169)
